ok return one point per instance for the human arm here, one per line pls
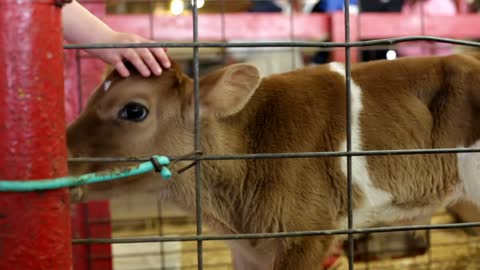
(81, 26)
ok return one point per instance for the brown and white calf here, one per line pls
(410, 103)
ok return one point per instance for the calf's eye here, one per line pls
(133, 111)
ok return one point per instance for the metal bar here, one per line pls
(89, 258)
(292, 34)
(214, 249)
(197, 143)
(223, 30)
(429, 246)
(422, 23)
(151, 19)
(319, 44)
(349, 133)
(79, 229)
(292, 155)
(159, 203)
(367, 252)
(96, 210)
(273, 235)
(35, 227)
(416, 265)
(183, 251)
(78, 67)
(358, 32)
(161, 232)
(224, 265)
(81, 254)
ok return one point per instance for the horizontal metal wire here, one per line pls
(225, 249)
(290, 155)
(373, 42)
(193, 266)
(269, 235)
(188, 266)
(329, 49)
(166, 252)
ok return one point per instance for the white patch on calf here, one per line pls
(377, 207)
(338, 68)
(106, 85)
(468, 165)
(375, 199)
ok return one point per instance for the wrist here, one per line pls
(81, 26)
(106, 35)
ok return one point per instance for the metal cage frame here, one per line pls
(196, 45)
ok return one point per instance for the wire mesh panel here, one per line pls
(178, 235)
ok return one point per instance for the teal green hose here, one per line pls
(90, 178)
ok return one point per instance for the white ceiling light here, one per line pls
(176, 7)
(391, 54)
(200, 3)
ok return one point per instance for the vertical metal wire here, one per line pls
(89, 247)
(349, 132)
(161, 233)
(150, 17)
(423, 47)
(292, 33)
(78, 68)
(422, 27)
(151, 20)
(369, 237)
(359, 28)
(84, 213)
(197, 145)
(367, 251)
(224, 32)
(429, 246)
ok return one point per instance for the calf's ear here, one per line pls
(227, 91)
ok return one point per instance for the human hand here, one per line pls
(145, 60)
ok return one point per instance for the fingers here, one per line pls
(134, 57)
(120, 67)
(161, 55)
(150, 60)
(152, 56)
(147, 61)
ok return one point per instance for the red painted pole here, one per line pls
(34, 227)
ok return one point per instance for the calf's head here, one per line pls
(137, 116)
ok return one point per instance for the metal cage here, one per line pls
(199, 236)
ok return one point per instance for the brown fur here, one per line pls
(410, 103)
